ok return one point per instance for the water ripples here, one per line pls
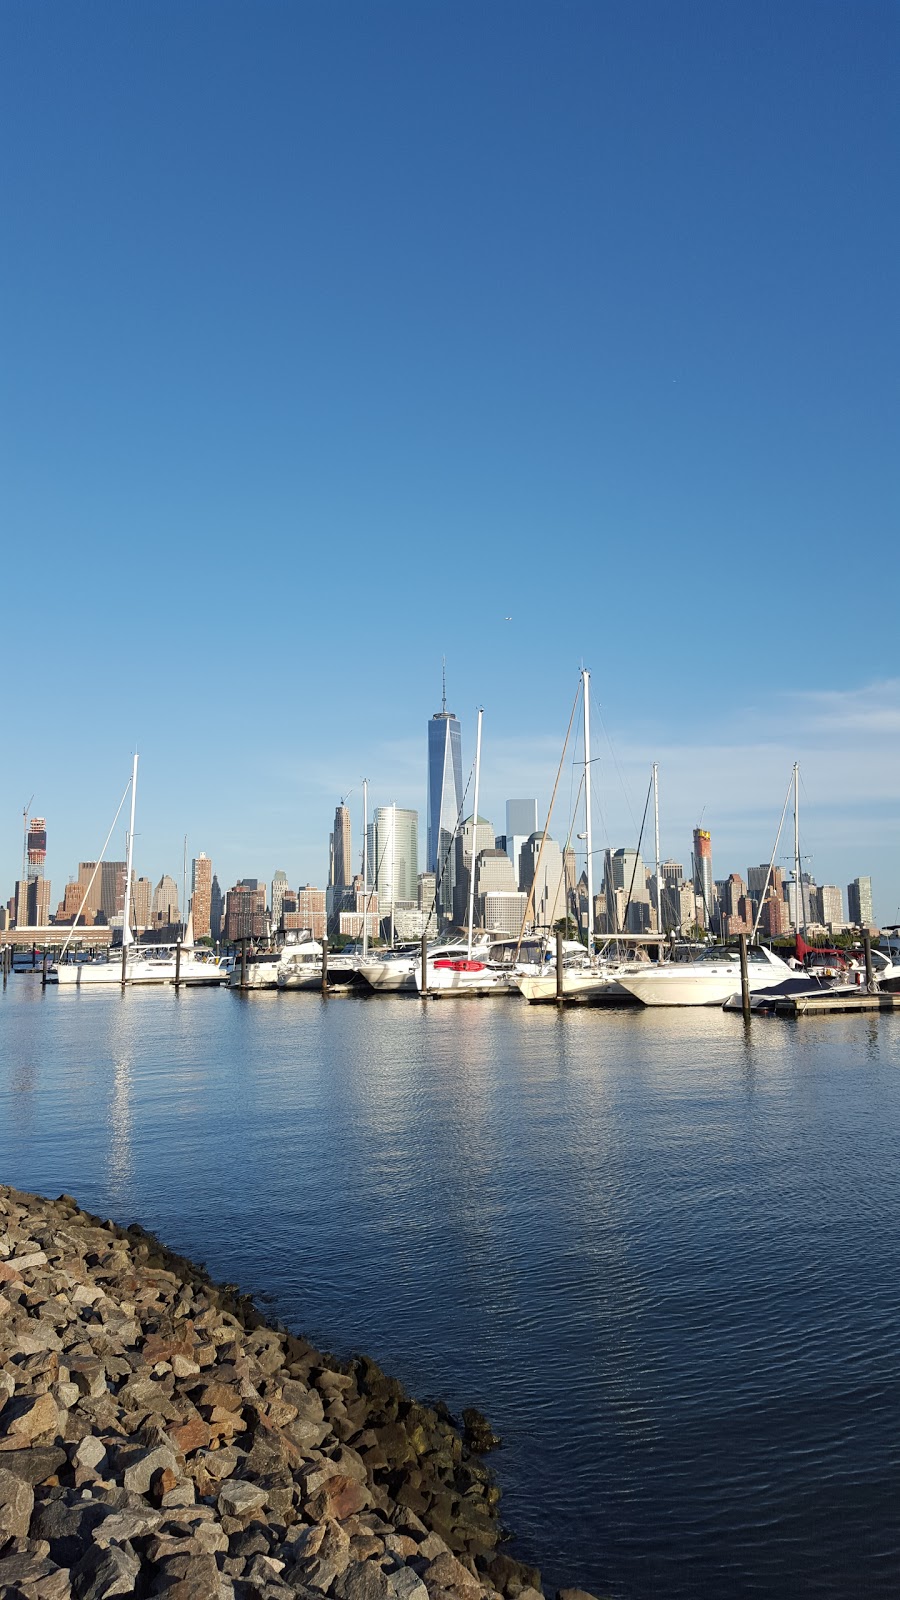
(660, 1252)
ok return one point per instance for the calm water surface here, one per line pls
(660, 1253)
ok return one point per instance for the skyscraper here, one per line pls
(341, 874)
(201, 890)
(521, 823)
(832, 905)
(703, 874)
(276, 898)
(165, 903)
(33, 890)
(216, 909)
(444, 799)
(471, 839)
(112, 889)
(547, 883)
(395, 841)
(141, 897)
(859, 902)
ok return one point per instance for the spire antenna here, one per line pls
(444, 685)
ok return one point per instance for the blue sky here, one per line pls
(334, 335)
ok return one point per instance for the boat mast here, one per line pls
(474, 831)
(393, 866)
(129, 858)
(365, 937)
(659, 921)
(586, 681)
(801, 909)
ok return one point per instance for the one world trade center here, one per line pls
(444, 801)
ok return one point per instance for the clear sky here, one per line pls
(335, 335)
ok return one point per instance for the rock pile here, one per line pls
(157, 1437)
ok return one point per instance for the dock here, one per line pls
(816, 1005)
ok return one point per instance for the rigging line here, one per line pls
(637, 854)
(762, 898)
(615, 761)
(439, 876)
(530, 901)
(95, 871)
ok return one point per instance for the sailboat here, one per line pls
(586, 976)
(90, 974)
(155, 963)
(469, 971)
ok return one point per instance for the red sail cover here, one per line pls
(803, 950)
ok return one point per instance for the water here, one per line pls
(660, 1253)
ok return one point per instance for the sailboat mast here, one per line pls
(129, 858)
(393, 866)
(659, 923)
(474, 831)
(365, 937)
(801, 911)
(586, 681)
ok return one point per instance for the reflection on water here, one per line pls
(659, 1249)
(120, 1170)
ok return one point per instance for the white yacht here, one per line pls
(300, 966)
(489, 968)
(394, 971)
(709, 980)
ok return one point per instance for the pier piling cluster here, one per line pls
(158, 1437)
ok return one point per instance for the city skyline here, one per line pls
(392, 843)
(635, 334)
(834, 854)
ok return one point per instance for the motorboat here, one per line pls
(709, 980)
(394, 971)
(300, 966)
(491, 969)
(823, 972)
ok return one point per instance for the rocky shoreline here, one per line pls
(159, 1437)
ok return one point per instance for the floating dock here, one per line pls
(817, 1005)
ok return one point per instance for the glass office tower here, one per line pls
(444, 801)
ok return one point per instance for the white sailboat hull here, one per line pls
(139, 969)
(589, 984)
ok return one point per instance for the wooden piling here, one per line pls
(324, 966)
(243, 963)
(870, 970)
(177, 964)
(560, 992)
(424, 989)
(745, 978)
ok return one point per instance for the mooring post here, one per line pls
(177, 964)
(424, 988)
(243, 963)
(560, 994)
(324, 966)
(745, 979)
(870, 970)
